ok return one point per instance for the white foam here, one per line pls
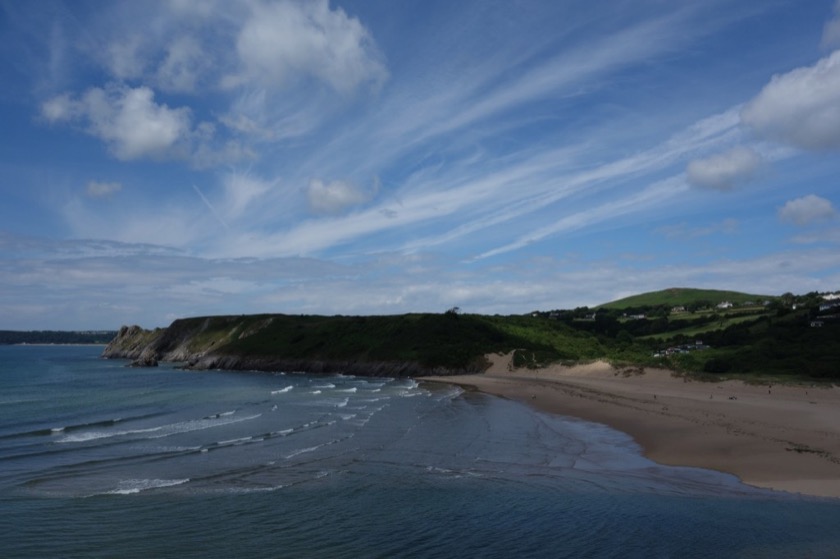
(343, 404)
(57, 430)
(132, 486)
(303, 451)
(234, 441)
(282, 390)
(328, 385)
(94, 435)
(315, 392)
(348, 390)
(162, 431)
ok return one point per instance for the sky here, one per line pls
(166, 159)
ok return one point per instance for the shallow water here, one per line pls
(98, 460)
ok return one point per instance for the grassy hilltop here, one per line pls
(682, 296)
(683, 329)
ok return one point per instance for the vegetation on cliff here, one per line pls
(790, 335)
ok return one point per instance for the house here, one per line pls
(724, 305)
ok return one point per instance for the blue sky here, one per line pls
(181, 158)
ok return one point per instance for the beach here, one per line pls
(779, 437)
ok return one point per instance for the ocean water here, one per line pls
(99, 460)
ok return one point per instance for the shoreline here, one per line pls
(779, 437)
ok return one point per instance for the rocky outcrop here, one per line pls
(130, 342)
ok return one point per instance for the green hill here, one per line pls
(682, 296)
(435, 343)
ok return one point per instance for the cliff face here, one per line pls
(276, 343)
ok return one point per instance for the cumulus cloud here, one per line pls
(726, 170)
(284, 40)
(96, 189)
(800, 108)
(806, 210)
(831, 32)
(334, 197)
(125, 118)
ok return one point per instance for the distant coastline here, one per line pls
(56, 337)
(103, 344)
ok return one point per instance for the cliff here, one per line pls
(394, 346)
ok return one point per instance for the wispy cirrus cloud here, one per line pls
(97, 189)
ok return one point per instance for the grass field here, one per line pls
(680, 296)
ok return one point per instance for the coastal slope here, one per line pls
(394, 346)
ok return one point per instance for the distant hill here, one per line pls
(684, 296)
(8, 337)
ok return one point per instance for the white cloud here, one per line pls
(59, 108)
(726, 170)
(241, 191)
(821, 235)
(134, 125)
(684, 231)
(183, 66)
(96, 189)
(801, 108)
(127, 119)
(806, 210)
(124, 59)
(285, 40)
(831, 31)
(334, 197)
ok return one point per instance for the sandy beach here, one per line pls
(780, 437)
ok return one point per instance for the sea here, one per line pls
(101, 460)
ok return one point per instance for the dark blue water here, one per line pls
(98, 460)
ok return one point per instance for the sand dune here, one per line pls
(779, 437)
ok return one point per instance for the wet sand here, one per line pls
(779, 437)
